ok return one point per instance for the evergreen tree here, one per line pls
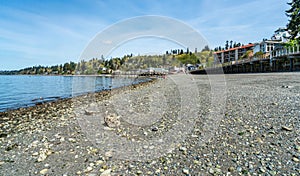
(206, 48)
(181, 51)
(226, 45)
(230, 44)
(294, 18)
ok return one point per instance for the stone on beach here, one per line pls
(287, 128)
(106, 173)
(44, 171)
(112, 120)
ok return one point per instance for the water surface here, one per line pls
(25, 90)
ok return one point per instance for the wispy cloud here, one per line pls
(27, 36)
(246, 21)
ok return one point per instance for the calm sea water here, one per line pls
(24, 90)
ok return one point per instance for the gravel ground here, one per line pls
(166, 128)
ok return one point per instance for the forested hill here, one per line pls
(126, 63)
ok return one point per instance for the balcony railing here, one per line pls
(286, 51)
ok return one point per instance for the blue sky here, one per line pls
(50, 32)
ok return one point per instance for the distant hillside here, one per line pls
(126, 63)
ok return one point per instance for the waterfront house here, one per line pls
(269, 55)
(281, 34)
(266, 46)
(232, 54)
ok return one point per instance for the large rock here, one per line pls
(112, 120)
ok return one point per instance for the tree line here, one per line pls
(67, 68)
(125, 63)
(228, 45)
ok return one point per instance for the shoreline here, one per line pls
(53, 99)
(66, 99)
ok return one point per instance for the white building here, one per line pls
(281, 34)
(266, 46)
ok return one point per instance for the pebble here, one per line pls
(259, 140)
(287, 128)
(218, 170)
(44, 171)
(231, 169)
(99, 162)
(196, 162)
(154, 128)
(109, 154)
(106, 128)
(106, 172)
(183, 149)
(211, 170)
(88, 169)
(186, 171)
(151, 147)
(72, 140)
(88, 112)
(78, 172)
(35, 154)
(295, 159)
(42, 157)
(262, 170)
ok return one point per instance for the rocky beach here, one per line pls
(258, 134)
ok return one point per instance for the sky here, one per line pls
(50, 32)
